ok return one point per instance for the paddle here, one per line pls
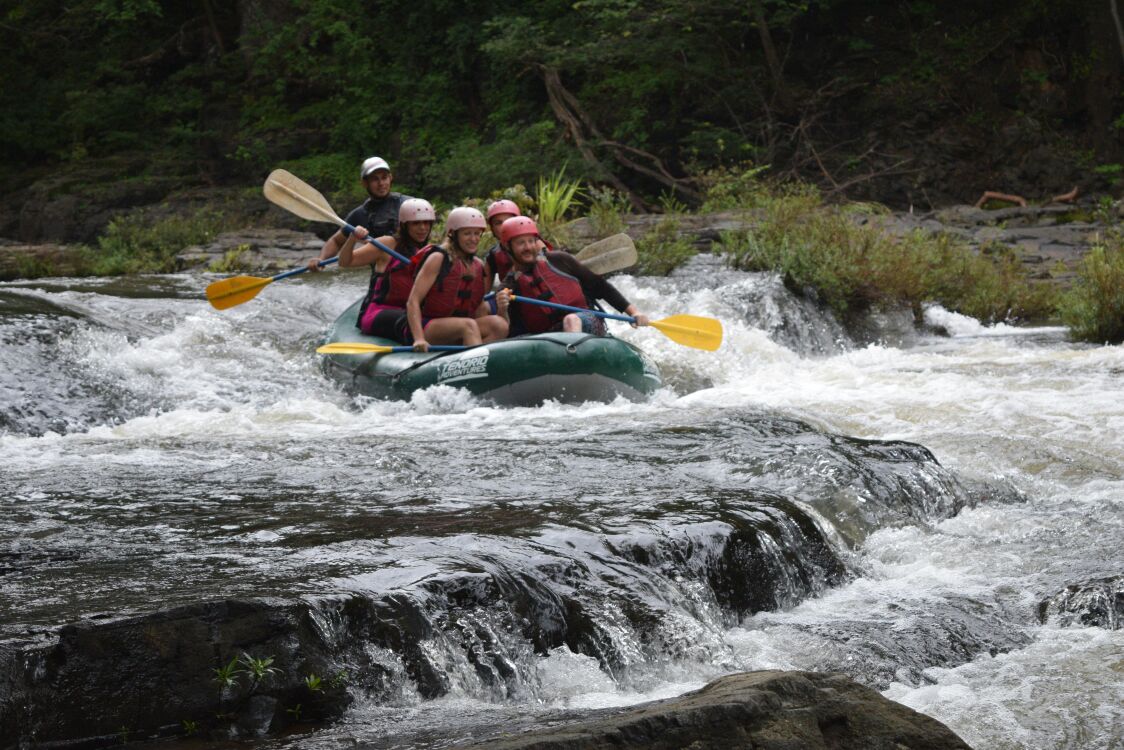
(614, 253)
(344, 347)
(292, 194)
(689, 330)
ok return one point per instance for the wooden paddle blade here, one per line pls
(615, 253)
(234, 291)
(343, 347)
(295, 195)
(691, 330)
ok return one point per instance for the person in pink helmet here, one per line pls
(497, 261)
(379, 213)
(558, 277)
(446, 304)
(383, 312)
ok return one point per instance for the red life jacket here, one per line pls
(458, 290)
(392, 286)
(546, 282)
(500, 261)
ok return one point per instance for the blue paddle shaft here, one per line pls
(432, 348)
(397, 256)
(556, 306)
(329, 261)
(302, 269)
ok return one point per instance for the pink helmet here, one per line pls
(517, 226)
(416, 209)
(504, 207)
(464, 217)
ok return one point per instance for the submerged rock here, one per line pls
(1098, 603)
(759, 710)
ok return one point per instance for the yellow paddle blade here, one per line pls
(234, 291)
(691, 330)
(342, 347)
(295, 195)
(614, 253)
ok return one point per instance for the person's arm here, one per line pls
(366, 254)
(596, 286)
(422, 284)
(331, 248)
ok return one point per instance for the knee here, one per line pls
(571, 323)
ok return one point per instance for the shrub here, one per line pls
(731, 188)
(134, 244)
(1094, 308)
(606, 210)
(853, 267)
(662, 250)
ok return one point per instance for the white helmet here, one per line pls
(372, 164)
(416, 209)
(465, 217)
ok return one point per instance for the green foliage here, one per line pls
(854, 267)
(295, 712)
(729, 188)
(1094, 308)
(190, 727)
(313, 683)
(257, 669)
(606, 210)
(233, 260)
(662, 250)
(134, 244)
(555, 196)
(227, 675)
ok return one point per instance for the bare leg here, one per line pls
(572, 324)
(492, 328)
(453, 331)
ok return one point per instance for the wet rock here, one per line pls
(759, 710)
(19, 260)
(265, 250)
(1098, 603)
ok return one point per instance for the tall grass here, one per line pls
(1094, 308)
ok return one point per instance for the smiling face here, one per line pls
(378, 183)
(469, 239)
(495, 222)
(419, 231)
(525, 249)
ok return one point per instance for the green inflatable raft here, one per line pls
(523, 371)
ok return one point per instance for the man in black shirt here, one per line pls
(378, 214)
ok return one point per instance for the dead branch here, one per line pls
(557, 95)
(1069, 197)
(992, 195)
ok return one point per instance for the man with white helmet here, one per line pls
(379, 213)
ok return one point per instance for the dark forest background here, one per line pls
(909, 103)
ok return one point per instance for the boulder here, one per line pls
(760, 710)
(1098, 603)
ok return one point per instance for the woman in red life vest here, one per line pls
(383, 312)
(557, 277)
(498, 259)
(446, 304)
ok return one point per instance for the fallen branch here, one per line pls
(1069, 197)
(992, 195)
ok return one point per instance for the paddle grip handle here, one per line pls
(568, 308)
(397, 256)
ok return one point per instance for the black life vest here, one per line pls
(545, 282)
(499, 261)
(457, 291)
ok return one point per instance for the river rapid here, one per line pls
(894, 508)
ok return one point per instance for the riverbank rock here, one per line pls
(18, 260)
(264, 250)
(758, 710)
(1098, 603)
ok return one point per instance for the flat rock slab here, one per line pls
(254, 250)
(759, 710)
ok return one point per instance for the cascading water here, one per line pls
(780, 505)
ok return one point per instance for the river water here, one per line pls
(798, 500)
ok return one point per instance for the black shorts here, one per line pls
(392, 324)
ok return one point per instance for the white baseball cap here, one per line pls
(373, 164)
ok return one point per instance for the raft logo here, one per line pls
(467, 367)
